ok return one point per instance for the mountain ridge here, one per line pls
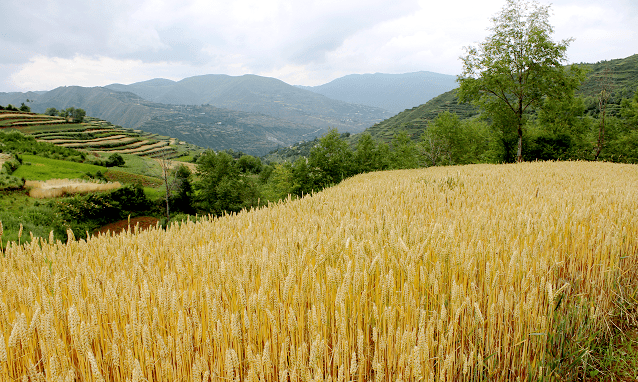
(257, 94)
(393, 92)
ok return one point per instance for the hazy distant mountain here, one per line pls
(256, 94)
(393, 92)
(206, 126)
(16, 98)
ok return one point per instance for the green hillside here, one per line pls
(414, 121)
(622, 72)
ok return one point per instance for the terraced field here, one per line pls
(94, 135)
(18, 119)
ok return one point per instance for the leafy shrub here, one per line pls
(87, 212)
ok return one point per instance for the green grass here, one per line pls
(41, 128)
(184, 158)
(115, 175)
(39, 168)
(35, 215)
(140, 165)
(152, 193)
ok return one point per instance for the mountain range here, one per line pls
(250, 113)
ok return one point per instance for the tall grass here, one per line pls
(461, 273)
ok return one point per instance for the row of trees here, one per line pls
(10, 107)
(76, 115)
(226, 184)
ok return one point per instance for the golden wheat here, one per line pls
(53, 188)
(437, 274)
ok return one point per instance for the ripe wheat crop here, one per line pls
(458, 273)
(54, 188)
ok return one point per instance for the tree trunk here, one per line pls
(519, 151)
(519, 115)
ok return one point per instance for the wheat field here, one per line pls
(441, 274)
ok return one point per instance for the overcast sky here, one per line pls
(46, 44)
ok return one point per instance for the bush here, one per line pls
(115, 160)
(9, 182)
(11, 165)
(88, 212)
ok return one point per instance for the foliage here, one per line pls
(115, 159)
(37, 217)
(181, 200)
(280, 183)
(51, 111)
(450, 141)
(248, 164)
(404, 152)
(330, 160)
(16, 142)
(10, 182)
(368, 155)
(75, 115)
(221, 187)
(87, 212)
(25, 108)
(517, 67)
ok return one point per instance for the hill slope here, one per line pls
(414, 121)
(205, 126)
(393, 92)
(262, 95)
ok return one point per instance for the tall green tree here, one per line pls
(76, 115)
(450, 141)
(221, 188)
(517, 67)
(330, 160)
(302, 182)
(366, 155)
(182, 199)
(51, 111)
(404, 152)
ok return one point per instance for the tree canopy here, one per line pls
(517, 67)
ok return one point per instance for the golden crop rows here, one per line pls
(451, 273)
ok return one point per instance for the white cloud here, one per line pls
(309, 42)
(42, 73)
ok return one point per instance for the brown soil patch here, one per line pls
(143, 222)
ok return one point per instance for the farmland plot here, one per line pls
(485, 272)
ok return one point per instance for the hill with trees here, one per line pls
(261, 95)
(204, 125)
(582, 116)
(249, 113)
